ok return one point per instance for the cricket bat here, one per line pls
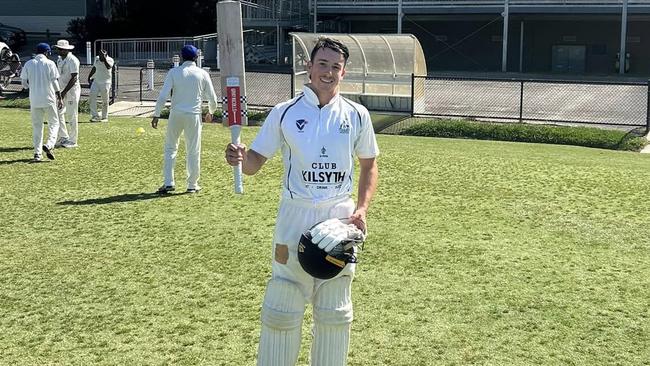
(233, 78)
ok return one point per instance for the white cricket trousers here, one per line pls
(291, 288)
(39, 115)
(99, 89)
(70, 114)
(190, 124)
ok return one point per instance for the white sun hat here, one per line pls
(63, 44)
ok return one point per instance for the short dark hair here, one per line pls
(332, 44)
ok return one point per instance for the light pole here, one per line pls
(504, 53)
(315, 15)
(621, 55)
(400, 14)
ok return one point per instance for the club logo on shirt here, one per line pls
(323, 152)
(301, 123)
(323, 175)
(344, 127)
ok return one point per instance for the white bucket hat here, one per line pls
(63, 44)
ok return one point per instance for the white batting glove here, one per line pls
(330, 233)
(322, 230)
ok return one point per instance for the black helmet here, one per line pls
(320, 264)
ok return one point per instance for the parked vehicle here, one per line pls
(14, 37)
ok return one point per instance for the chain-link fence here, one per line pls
(530, 100)
(263, 89)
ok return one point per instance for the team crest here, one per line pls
(323, 152)
(344, 127)
(301, 123)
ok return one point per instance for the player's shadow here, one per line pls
(128, 197)
(14, 149)
(24, 160)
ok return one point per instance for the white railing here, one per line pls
(425, 3)
(131, 51)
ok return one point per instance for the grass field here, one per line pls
(480, 253)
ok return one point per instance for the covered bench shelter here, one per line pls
(379, 72)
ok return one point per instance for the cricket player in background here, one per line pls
(68, 66)
(189, 86)
(41, 77)
(100, 79)
(318, 133)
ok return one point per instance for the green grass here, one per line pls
(21, 100)
(480, 252)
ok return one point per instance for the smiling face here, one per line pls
(326, 70)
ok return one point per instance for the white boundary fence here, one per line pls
(137, 51)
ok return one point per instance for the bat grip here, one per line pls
(235, 132)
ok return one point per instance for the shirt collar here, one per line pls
(312, 98)
(40, 56)
(189, 63)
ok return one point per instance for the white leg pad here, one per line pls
(282, 314)
(332, 318)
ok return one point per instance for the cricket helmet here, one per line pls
(320, 264)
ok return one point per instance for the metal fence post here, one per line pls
(412, 94)
(521, 102)
(114, 82)
(89, 56)
(141, 70)
(150, 66)
(647, 111)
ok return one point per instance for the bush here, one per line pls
(255, 118)
(560, 135)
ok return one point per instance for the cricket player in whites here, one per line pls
(41, 77)
(100, 80)
(319, 133)
(68, 65)
(189, 86)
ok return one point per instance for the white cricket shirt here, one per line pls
(191, 85)
(41, 76)
(102, 74)
(68, 66)
(318, 144)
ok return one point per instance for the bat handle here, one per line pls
(237, 174)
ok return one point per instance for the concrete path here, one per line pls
(132, 109)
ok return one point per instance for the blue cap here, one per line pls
(189, 52)
(43, 47)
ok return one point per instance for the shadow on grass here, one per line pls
(24, 160)
(14, 149)
(128, 197)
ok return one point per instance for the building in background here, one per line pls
(544, 36)
(43, 17)
(267, 24)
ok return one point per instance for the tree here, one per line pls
(148, 18)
